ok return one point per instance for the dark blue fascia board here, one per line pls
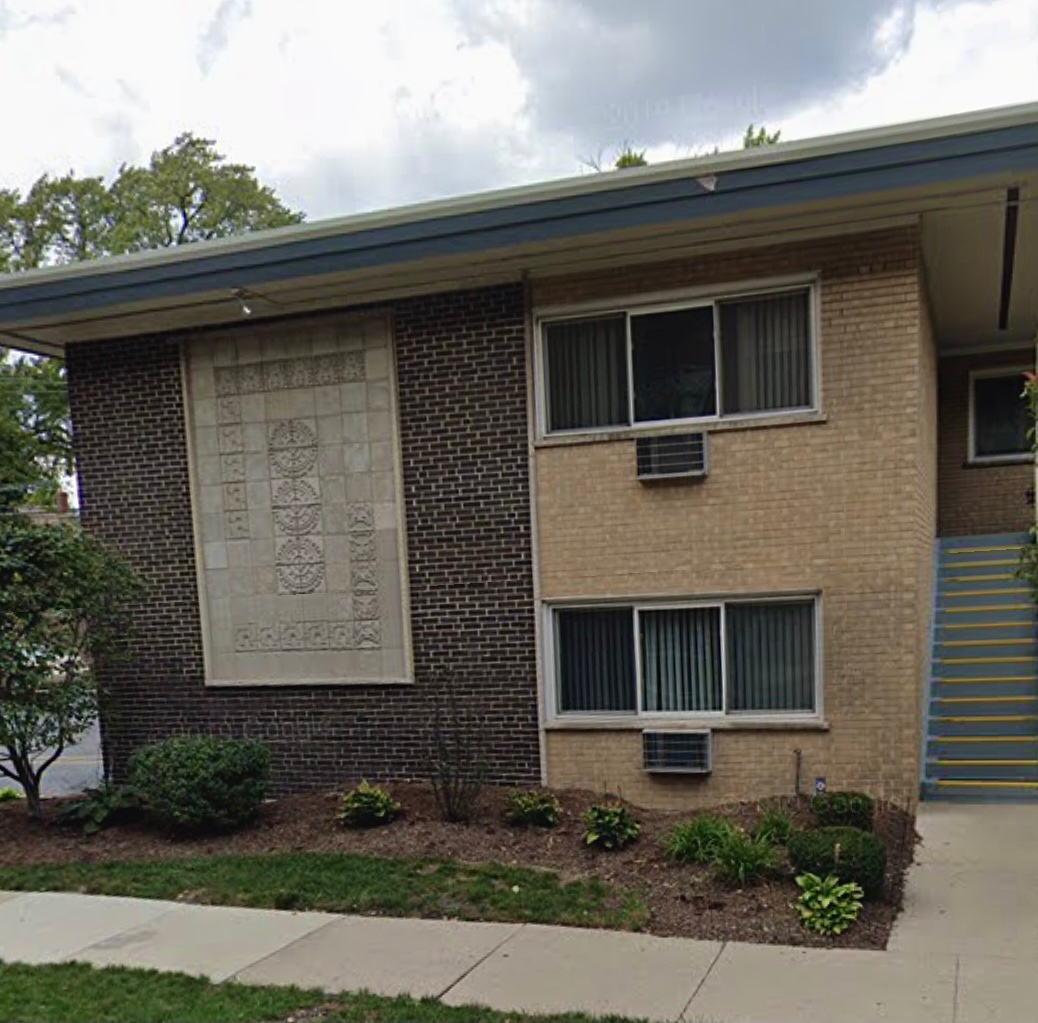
(812, 179)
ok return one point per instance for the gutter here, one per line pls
(685, 191)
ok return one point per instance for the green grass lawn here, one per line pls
(78, 993)
(341, 883)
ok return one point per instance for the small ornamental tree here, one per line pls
(63, 597)
(1028, 567)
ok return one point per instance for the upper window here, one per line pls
(998, 417)
(728, 357)
(738, 658)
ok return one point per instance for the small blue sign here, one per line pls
(819, 784)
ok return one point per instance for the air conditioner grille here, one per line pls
(672, 456)
(678, 752)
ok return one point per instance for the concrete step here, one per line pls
(980, 791)
(969, 724)
(984, 687)
(965, 616)
(982, 769)
(988, 629)
(983, 747)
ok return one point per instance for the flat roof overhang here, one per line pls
(951, 171)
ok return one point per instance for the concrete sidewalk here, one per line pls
(513, 967)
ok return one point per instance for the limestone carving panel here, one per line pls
(296, 511)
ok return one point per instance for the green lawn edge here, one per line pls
(81, 993)
(349, 883)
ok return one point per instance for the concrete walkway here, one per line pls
(966, 950)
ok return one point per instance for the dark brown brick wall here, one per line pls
(462, 401)
(976, 499)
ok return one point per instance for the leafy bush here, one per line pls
(848, 853)
(101, 807)
(610, 825)
(844, 810)
(536, 807)
(774, 826)
(828, 905)
(697, 840)
(368, 806)
(742, 861)
(9, 795)
(202, 783)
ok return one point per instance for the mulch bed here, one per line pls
(682, 900)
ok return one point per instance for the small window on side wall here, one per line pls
(999, 418)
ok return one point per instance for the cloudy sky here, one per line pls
(348, 105)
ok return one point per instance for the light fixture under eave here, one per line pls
(708, 182)
(239, 294)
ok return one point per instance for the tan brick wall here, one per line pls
(977, 499)
(844, 507)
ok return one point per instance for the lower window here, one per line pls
(735, 657)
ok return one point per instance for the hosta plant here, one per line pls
(828, 905)
(368, 806)
(610, 826)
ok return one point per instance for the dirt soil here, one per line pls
(682, 900)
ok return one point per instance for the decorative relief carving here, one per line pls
(300, 565)
(232, 468)
(317, 635)
(236, 525)
(294, 500)
(286, 374)
(292, 448)
(363, 547)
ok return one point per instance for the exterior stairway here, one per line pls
(982, 708)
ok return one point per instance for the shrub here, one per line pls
(844, 810)
(697, 840)
(101, 807)
(536, 807)
(368, 806)
(848, 853)
(202, 783)
(742, 861)
(610, 825)
(9, 795)
(774, 826)
(457, 760)
(827, 905)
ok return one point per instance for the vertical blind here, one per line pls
(766, 353)
(771, 656)
(594, 655)
(587, 373)
(681, 659)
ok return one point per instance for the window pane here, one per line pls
(766, 353)
(594, 655)
(999, 416)
(771, 656)
(674, 364)
(587, 373)
(681, 659)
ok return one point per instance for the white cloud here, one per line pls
(345, 105)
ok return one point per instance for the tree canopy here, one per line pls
(186, 192)
(627, 156)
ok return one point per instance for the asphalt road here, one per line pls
(78, 768)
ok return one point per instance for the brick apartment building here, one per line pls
(697, 482)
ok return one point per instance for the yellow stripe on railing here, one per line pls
(1008, 591)
(958, 680)
(987, 642)
(971, 719)
(986, 660)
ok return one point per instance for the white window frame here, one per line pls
(641, 716)
(982, 374)
(675, 302)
